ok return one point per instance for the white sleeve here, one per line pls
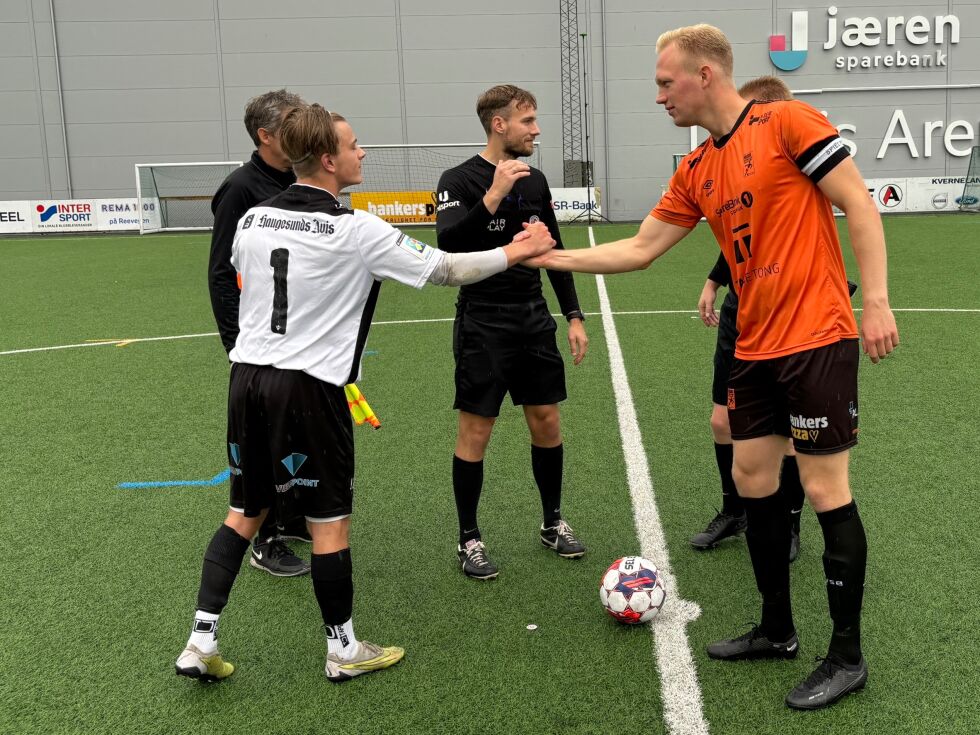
(460, 269)
(391, 254)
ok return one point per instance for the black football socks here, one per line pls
(768, 539)
(546, 465)
(845, 558)
(467, 486)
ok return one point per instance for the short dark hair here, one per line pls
(496, 100)
(267, 111)
(765, 89)
(307, 133)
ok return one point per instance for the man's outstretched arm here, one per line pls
(653, 239)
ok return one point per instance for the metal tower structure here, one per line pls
(573, 160)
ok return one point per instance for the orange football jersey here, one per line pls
(757, 188)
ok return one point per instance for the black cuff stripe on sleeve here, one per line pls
(806, 158)
(828, 165)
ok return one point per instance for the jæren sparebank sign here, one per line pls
(891, 42)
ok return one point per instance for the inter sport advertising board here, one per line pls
(66, 215)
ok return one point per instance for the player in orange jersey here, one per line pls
(765, 181)
(730, 520)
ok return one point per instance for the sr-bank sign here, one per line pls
(870, 34)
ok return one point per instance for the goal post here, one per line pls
(177, 196)
(969, 201)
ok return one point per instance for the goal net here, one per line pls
(970, 199)
(399, 185)
(177, 196)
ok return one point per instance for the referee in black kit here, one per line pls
(267, 173)
(504, 335)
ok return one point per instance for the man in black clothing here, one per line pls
(504, 335)
(266, 174)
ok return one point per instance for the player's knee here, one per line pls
(545, 428)
(476, 433)
(719, 425)
(243, 525)
(754, 481)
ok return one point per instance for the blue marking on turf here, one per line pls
(370, 352)
(216, 480)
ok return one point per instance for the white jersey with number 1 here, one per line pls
(311, 271)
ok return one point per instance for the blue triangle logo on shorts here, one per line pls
(293, 462)
(236, 455)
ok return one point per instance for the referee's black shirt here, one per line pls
(464, 225)
(245, 187)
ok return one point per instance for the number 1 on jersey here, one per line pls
(279, 260)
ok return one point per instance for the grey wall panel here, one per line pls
(22, 178)
(18, 75)
(19, 141)
(642, 28)
(138, 72)
(142, 105)
(15, 40)
(259, 9)
(55, 140)
(511, 10)
(18, 108)
(463, 65)
(125, 38)
(457, 32)
(132, 10)
(146, 139)
(14, 11)
(273, 70)
(311, 34)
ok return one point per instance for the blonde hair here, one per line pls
(765, 89)
(306, 133)
(701, 43)
(496, 100)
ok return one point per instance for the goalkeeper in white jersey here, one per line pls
(311, 270)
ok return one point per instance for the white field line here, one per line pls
(134, 340)
(680, 690)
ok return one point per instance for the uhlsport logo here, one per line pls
(792, 58)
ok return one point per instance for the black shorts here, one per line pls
(506, 347)
(725, 348)
(811, 396)
(289, 438)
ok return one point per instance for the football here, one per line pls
(632, 590)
